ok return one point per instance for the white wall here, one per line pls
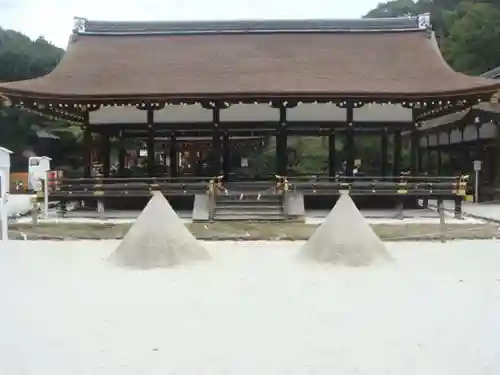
(116, 115)
(486, 131)
(379, 112)
(187, 113)
(317, 112)
(249, 112)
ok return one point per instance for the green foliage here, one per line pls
(396, 8)
(309, 155)
(22, 58)
(473, 44)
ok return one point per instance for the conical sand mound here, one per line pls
(345, 238)
(158, 238)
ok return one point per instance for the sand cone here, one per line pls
(158, 238)
(345, 238)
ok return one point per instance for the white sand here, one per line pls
(19, 204)
(253, 310)
(158, 239)
(345, 238)
(309, 220)
(405, 221)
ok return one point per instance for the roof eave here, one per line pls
(16, 94)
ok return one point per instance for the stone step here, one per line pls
(246, 211)
(249, 197)
(249, 207)
(247, 217)
(250, 185)
(236, 203)
(248, 202)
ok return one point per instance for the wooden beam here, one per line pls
(151, 141)
(332, 154)
(349, 142)
(254, 125)
(281, 143)
(249, 133)
(87, 146)
(396, 166)
(215, 163)
(384, 149)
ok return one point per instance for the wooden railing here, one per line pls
(126, 186)
(95, 187)
(430, 186)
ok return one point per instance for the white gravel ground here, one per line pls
(255, 309)
(19, 204)
(309, 220)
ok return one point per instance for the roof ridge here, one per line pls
(410, 23)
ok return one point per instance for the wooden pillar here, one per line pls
(105, 154)
(349, 140)
(396, 166)
(122, 154)
(332, 154)
(199, 163)
(87, 146)
(428, 160)
(174, 156)
(439, 167)
(414, 140)
(226, 157)
(281, 144)
(215, 164)
(420, 160)
(466, 161)
(151, 142)
(384, 151)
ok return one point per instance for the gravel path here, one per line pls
(252, 231)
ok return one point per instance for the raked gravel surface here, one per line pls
(254, 309)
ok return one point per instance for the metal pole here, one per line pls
(46, 196)
(442, 227)
(476, 187)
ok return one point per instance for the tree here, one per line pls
(22, 58)
(394, 8)
(473, 43)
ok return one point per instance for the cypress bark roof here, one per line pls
(389, 58)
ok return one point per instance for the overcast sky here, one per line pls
(53, 19)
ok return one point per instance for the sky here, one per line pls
(53, 19)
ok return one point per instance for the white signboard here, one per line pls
(244, 162)
(38, 166)
(477, 165)
(4, 191)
